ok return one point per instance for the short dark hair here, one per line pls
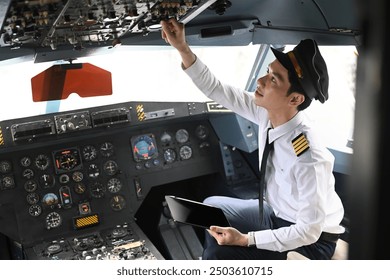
(295, 86)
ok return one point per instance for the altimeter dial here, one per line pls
(53, 220)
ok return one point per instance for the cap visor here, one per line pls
(282, 58)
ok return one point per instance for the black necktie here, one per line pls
(267, 149)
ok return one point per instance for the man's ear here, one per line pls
(296, 99)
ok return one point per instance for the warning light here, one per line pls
(85, 221)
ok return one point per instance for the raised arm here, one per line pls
(173, 33)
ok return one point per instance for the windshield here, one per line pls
(154, 74)
(147, 74)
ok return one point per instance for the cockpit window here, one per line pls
(335, 118)
(138, 74)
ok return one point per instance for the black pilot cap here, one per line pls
(307, 64)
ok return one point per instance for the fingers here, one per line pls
(216, 229)
(175, 23)
(164, 36)
(171, 25)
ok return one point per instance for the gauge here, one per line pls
(35, 210)
(93, 171)
(117, 203)
(110, 167)
(66, 197)
(89, 153)
(67, 160)
(8, 182)
(182, 136)
(25, 161)
(79, 188)
(97, 190)
(30, 186)
(64, 179)
(42, 162)
(84, 208)
(53, 248)
(185, 152)
(28, 173)
(46, 181)
(119, 232)
(50, 199)
(169, 155)
(107, 149)
(5, 166)
(166, 138)
(53, 220)
(144, 147)
(201, 132)
(77, 176)
(32, 198)
(114, 185)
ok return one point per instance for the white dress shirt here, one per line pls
(300, 187)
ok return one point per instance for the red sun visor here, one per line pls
(59, 81)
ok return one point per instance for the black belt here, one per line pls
(331, 237)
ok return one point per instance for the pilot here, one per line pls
(301, 211)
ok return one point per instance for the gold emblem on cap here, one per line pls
(295, 63)
(300, 144)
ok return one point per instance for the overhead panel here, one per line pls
(80, 24)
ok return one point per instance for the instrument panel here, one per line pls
(79, 183)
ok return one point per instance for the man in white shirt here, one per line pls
(302, 211)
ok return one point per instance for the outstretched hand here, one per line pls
(228, 236)
(173, 33)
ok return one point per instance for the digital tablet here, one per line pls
(195, 213)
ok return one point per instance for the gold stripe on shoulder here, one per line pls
(300, 144)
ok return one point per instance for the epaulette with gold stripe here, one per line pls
(300, 144)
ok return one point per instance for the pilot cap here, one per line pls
(307, 64)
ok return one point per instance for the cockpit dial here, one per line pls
(35, 210)
(5, 166)
(144, 147)
(28, 174)
(114, 185)
(67, 160)
(165, 138)
(89, 153)
(50, 200)
(42, 162)
(201, 132)
(107, 149)
(169, 155)
(97, 190)
(79, 188)
(182, 136)
(117, 202)
(32, 198)
(185, 152)
(110, 167)
(25, 161)
(30, 186)
(53, 220)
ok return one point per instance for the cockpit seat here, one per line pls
(341, 252)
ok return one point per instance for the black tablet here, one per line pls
(195, 213)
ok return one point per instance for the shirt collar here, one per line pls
(284, 128)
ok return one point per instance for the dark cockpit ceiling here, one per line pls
(50, 30)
